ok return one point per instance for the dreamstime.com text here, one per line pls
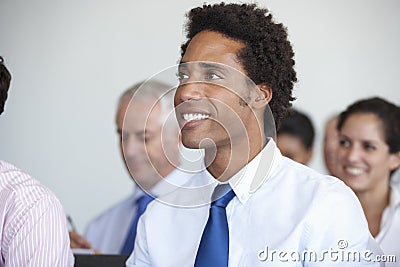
(339, 254)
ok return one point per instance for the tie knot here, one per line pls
(222, 194)
(143, 201)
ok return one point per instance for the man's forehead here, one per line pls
(143, 114)
(212, 45)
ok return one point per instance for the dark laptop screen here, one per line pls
(84, 260)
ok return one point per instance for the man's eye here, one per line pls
(182, 76)
(213, 76)
(124, 137)
(148, 138)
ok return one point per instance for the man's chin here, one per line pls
(191, 146)
(205, 143)
(196, 142)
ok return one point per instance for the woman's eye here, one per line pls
(344, 143)
(369, 147)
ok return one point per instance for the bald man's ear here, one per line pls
(263, 95)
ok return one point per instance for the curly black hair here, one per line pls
(267, 56)
(387, 112)
(5, 79)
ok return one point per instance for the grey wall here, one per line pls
(70, 60)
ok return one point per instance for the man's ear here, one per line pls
(263, 96)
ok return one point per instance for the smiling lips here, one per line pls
(354, 170)
(192, 120)
(194, 116)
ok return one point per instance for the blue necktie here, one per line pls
(214, 245)
(142, 203)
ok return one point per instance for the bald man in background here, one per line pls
(149, 144)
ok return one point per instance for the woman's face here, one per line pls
(363, 156)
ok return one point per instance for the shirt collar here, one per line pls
(255, 173)
(394, 196)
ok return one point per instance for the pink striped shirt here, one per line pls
(33, 229)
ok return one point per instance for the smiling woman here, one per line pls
(369, 152)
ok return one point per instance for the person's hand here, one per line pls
(78, 241)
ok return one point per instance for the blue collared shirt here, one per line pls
(108, 231)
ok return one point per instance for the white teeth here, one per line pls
(195, 116)
(354, 171)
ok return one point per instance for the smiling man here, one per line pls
(237, 66)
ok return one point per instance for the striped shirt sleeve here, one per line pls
(34, 229)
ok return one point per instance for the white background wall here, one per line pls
(70, 60)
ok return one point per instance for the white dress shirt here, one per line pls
(33, 228)
(108, 231)
(389, 234)
(275, 219)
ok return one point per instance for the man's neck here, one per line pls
(225, 161)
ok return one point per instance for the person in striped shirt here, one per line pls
(33, 228)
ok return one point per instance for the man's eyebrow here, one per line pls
(210, 65)
(205, 65)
